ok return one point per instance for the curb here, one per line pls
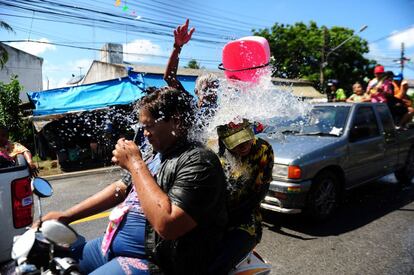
(83, 173)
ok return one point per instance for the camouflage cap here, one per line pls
(232, 134)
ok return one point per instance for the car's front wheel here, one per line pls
(405, 174)
(323, 198)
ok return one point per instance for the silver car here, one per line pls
(339, 146)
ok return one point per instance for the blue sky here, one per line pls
(389, 24)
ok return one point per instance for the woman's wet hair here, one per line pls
(166, 103)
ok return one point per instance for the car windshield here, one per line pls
(326, 120)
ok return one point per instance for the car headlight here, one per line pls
(287, 171)
(280, 170)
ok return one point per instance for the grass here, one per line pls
(47, 167)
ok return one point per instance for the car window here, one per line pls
(365, 124)
(386, 118)
(322, 120)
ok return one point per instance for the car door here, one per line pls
(366, 147)
(389, 133)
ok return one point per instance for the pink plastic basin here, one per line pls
(242, 57)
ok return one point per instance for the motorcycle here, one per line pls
(252, 264)
(46, 250)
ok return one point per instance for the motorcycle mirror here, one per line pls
(58, 233)
(41, 187)
(23, 244)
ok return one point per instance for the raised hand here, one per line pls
(182, 35)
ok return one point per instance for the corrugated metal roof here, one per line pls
(299, 87)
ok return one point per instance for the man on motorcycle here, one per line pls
(171, 216)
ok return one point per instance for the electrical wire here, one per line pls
(391, 34)
(96, 49)
(110, 20)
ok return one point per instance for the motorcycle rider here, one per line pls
(248, 162)
(170, 217)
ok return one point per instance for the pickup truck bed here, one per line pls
(16, 204)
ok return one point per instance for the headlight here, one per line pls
(285, 171)
(280, 170)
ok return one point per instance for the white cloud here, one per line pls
(54, 83)
(59, 75)
(140, 46)
(374, 50)
(33, 47)
(406, 36)
(84, 64)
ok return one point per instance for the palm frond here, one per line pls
(4, 56)
(7, 27)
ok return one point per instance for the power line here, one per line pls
(96, 49)
(392, 34)
(63, 10)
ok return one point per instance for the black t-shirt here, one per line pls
(193, 178)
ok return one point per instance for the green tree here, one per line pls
(192, 64)
(297, 50)
(3, 53)
(10, 115)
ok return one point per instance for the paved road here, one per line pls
(70, 191)
(372, 233)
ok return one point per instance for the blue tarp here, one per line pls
(157, 80)
(120, 91)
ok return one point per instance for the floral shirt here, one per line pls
(11, 150)
(379, 89)
(248, 182)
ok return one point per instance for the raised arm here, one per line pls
(181, 37)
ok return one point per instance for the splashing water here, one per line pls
(260, 102)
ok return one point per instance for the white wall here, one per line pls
(27, 67)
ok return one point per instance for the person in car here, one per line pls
(335, 93)
(379, 88)
(248, 162)
(400, 92)
(359, 94)
(9, 150)
(170, 213)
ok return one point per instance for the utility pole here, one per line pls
(403, 59)
(324, 57)
(322, 65)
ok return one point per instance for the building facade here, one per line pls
(27, 67)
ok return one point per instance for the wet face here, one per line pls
(242, 149)
(4, 137)
(358, 89)
(161, 134)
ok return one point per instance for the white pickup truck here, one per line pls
(16, 204)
